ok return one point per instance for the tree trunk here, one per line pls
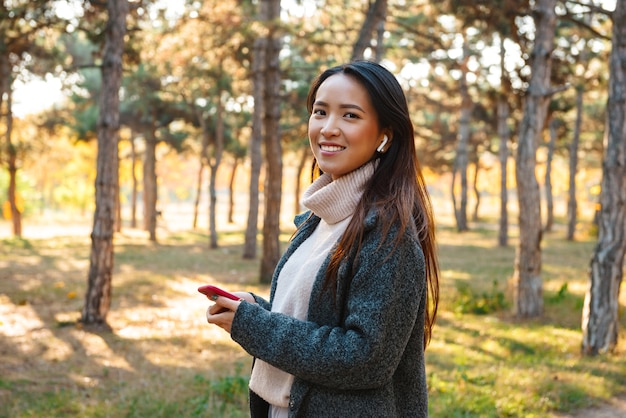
(150, 185)
(375, 14)
(98, 295)
(214, 164)
(475, 186)
(212, 206)
(256, 139)
(304, 157)
(133, 152)
(16, 214)
(455, 171)
(231, 191)
(548, 178)
(6, 82)
(527, 282)
(273, 151)
(16, 211)
(196, 202)
(462, 151)
(572, 202)
(600, 320)
(204, 161)
(380, 37)
(503, 152)
(118, 201)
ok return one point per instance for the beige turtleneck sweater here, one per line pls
(334, 202)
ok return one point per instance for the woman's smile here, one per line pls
(329, 148)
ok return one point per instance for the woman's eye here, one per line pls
(319, 112)
(351, 115)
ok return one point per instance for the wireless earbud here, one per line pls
(382, 144)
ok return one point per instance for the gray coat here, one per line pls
(363, 357)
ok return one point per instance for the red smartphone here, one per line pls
(210, 290)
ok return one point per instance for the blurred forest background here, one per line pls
(173, 115)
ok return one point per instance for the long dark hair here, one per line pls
(397, 189)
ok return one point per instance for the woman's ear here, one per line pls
(381, 147)
(386, 142)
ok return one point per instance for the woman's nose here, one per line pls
(329, 129)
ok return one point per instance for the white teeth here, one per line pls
(331, 148)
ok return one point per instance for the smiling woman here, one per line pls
(353, 298)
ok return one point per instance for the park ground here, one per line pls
(160, 343)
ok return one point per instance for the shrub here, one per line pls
(468, 300)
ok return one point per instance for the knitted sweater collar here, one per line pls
(334, 201)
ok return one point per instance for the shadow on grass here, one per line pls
(160, 360)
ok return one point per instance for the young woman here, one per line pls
(354, 298)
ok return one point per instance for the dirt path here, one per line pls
(616, 408)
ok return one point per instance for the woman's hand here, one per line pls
(223, 311)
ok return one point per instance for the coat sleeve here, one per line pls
(263, 303)
(381, 312)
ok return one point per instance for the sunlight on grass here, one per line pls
(482, 365)
(17, 320)
(455, 275)
(162, 358)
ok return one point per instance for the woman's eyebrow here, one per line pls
(342, 106)
(351, 106)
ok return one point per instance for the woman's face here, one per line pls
(343, 127)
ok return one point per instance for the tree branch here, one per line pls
(558, 89)
(570, 17)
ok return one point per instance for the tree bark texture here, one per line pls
(462, 148)
(256, 141)
(380, 37)
(214, 163)
(204, 161)
(98, 296)
(196, 201)
(527, 282)
(273, 151)
(548, 177)
(600, 321)
(475, 188)
(150, 184)
(5, 79)
(6, 83)
(455, 170)
(304, 157)
(375, 14)
(231, 191)
(16, 211)
(572, 202)
(503, 152)
(118, 201)
(133, 152)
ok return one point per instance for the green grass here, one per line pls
(163, 360)
(496, 366)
